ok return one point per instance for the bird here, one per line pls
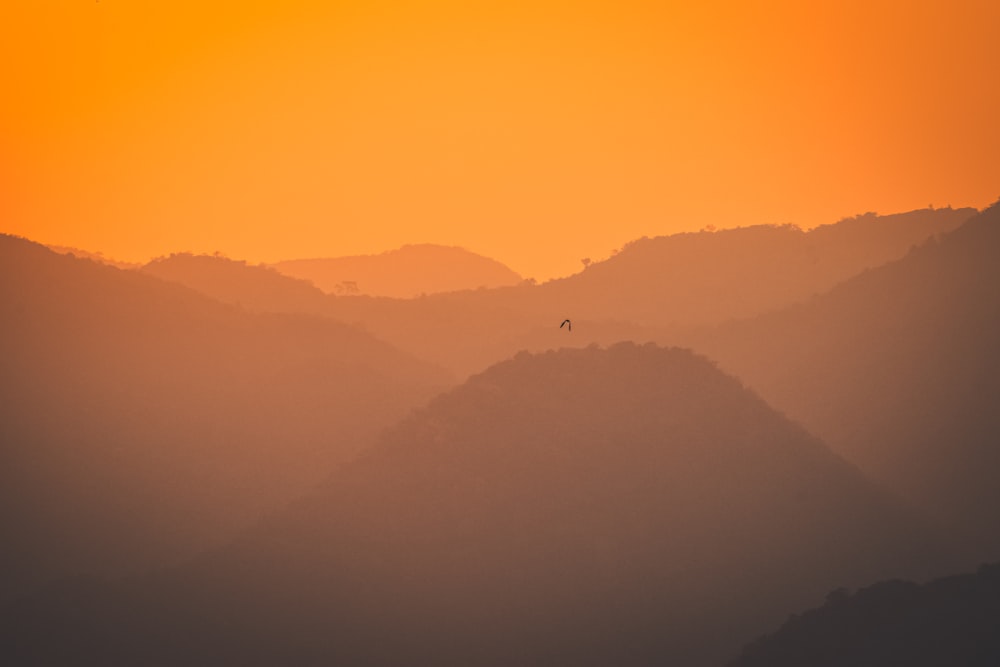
(564, 323)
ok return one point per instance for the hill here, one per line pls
(653, 287)
(256, 288)
(945, 622)
(143, 422)
(403, 273)
(651, 290)
(710, 277)
(95, 256)
(627, 506)
(898, 370)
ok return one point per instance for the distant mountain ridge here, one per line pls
(257, 288)
(627, 506)
(897, 369)
(95, 256)
(406, 272)
(142, 421)
(650, 290)
(710, 277)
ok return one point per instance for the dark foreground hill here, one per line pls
(142, 422)
(899, 371)
(946, 622)
(628, 506)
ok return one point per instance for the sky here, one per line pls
(537, 133)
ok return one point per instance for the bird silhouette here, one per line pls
(564, 323)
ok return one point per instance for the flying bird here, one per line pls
(564, 323)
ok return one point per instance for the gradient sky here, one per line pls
(537, 133)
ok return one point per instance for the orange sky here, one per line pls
(537, 133)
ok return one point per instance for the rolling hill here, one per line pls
(710, 277)
(626, 506)
(143, 422)
(406, 272)
(256, 288)
(898, 370)
(651, 290)
(948, 621)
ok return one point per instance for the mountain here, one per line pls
(651, 290)
(626, 506)
(403, 273)
(463, 330)
(945, 622)
(143, 422)
(898, 370)
(95, 256)
(257, 288)
(710, 277)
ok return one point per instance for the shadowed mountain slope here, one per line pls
(628, 506)
(899, 371)
(403, 273)
(142, 421)
(945, 622)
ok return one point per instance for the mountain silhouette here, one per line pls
(143, 422)
(651, 290)
(710, 277)
(945, 622)
(898, 370)
(403, 273)
(627, 506)
(95, 256)
(256, 288)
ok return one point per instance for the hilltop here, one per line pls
(621, 506)
(144, 422)
(406, 272)
(898, 370)
(256, 288)
(653, 289)
(945, 622)
(710, 277)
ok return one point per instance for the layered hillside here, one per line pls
(255, 288)
(627, 506)
(711, 277)
(142, 422)
(899, 371)
(402, 273)
(650, 290)
(945, 622)
(98, 257)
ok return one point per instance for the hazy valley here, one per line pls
(210, 462)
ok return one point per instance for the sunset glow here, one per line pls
(536, 133)
(416, 332)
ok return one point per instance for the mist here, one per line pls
(208, 461)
